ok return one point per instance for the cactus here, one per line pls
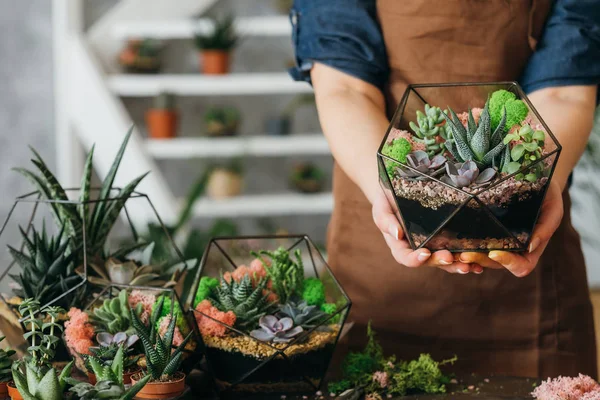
(429, 129)
(476, 142)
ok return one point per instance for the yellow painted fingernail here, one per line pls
(535, 242)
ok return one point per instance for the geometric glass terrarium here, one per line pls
(466, 166)
(269, 313)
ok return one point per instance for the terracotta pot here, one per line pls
(223, 183)
(162, 124)
(161, 390)
(13, 392)
(126, 377)
(214, 62)
(3, 390)
(91, 378)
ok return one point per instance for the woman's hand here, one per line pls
(521, 264)
(386, 221)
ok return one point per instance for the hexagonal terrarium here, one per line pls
(471, 177)
(106, 320)
(269, 312)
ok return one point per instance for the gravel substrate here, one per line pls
(445, 240)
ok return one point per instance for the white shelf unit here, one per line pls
(253, 146)
(131, 85)
(283, 204)
(186, 28)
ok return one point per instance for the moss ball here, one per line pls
(497, 101)
(398, 149)
(204, 288)
(330, 309)
(313, 292)
(516, 112)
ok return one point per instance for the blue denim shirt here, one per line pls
(345, 35)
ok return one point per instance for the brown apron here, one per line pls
(537, 326)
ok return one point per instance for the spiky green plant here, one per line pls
(98, 219)
(247, 302)
(286, 275)
(162, 362)
(476, 142)
(5, 363)
(35, 385)
(47, 270)
(526, 152)
(113, 315)
(223, 36)
(428, 128)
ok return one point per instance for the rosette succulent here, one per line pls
(419, 160)
(466, 174)
(113, 315)
(109, 344)
(302, 314)
(428, 128)
(476, 142)
(273, 329)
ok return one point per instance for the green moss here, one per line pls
(516, 112)
(330, 309)
(339, 386)
(398, 149)
(313, 292)
(166, 310)
(419, 376)
(204, 288)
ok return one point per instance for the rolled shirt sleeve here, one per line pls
(343, 34)
(569, 50)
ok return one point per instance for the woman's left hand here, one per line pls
(521, 264)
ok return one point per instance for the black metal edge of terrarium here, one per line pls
(399, 110)
(84, 280)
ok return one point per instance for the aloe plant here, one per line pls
(99, 219)
(5, 363)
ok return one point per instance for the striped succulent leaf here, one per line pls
(84, 194)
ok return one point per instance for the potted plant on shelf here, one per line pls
(222, 121)
(6, 363)
(225, 182)
(107, 350)
(307, 178)
(141, 56)
(472, 181)
(162, 364)
(269, 319)
(281, 125)
(35, 377)
(162, 119)
(215, 47)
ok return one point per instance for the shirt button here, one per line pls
(294, 18)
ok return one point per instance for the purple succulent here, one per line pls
(273, 329)
(419, 160)
(465, 174)
(105, 339)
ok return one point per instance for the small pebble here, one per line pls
(319, 393)
(305, 397)
(389, 396)
(486, 380)
(471, 387)
(283, 396)
(331, 394)
(453, 381)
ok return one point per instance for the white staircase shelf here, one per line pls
(186, 28)
(132, 85)
(254, 146)
(265, 205)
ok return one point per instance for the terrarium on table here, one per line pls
(106, 323)
(269, 313)
(466, 167)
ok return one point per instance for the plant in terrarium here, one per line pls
(34, 376)
(107, 349)
(266, 315)
(468, 180)
(98, 213)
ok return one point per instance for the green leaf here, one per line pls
(531, 177)
(517, 152)
(480, 143)
(539, 136)
(65, 374)
(84, 194)
(49, 387)
(133, 390)
(513, 167)
(117, 365)
(41, 187)
(531, 147)
(460, 139)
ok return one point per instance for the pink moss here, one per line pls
(381, 378)
(146, 299)
(464, 116)
(256, 271)
(208, 326)
(566, 388)
(162, 330)
(79, 332)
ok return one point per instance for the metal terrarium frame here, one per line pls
(341, 313)
(36, 198)
(386, 182)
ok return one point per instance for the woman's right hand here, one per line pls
(386, 221)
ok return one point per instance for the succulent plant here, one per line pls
(466, 174)
(222, 121)
(40, 384)
(113, 315)
(302, 314)
(47, 269)
(109, 377)
(286, 275)
(161, 360)
(109, 344)
(5, 363)
(223, 37)
(429, 128)
(419, 160)
(248, 303)
(476, 142)
(527, 150)
(273, 329)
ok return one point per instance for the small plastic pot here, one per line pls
(162, 124)
(13, 392)
(161, 390)
(215, 62)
